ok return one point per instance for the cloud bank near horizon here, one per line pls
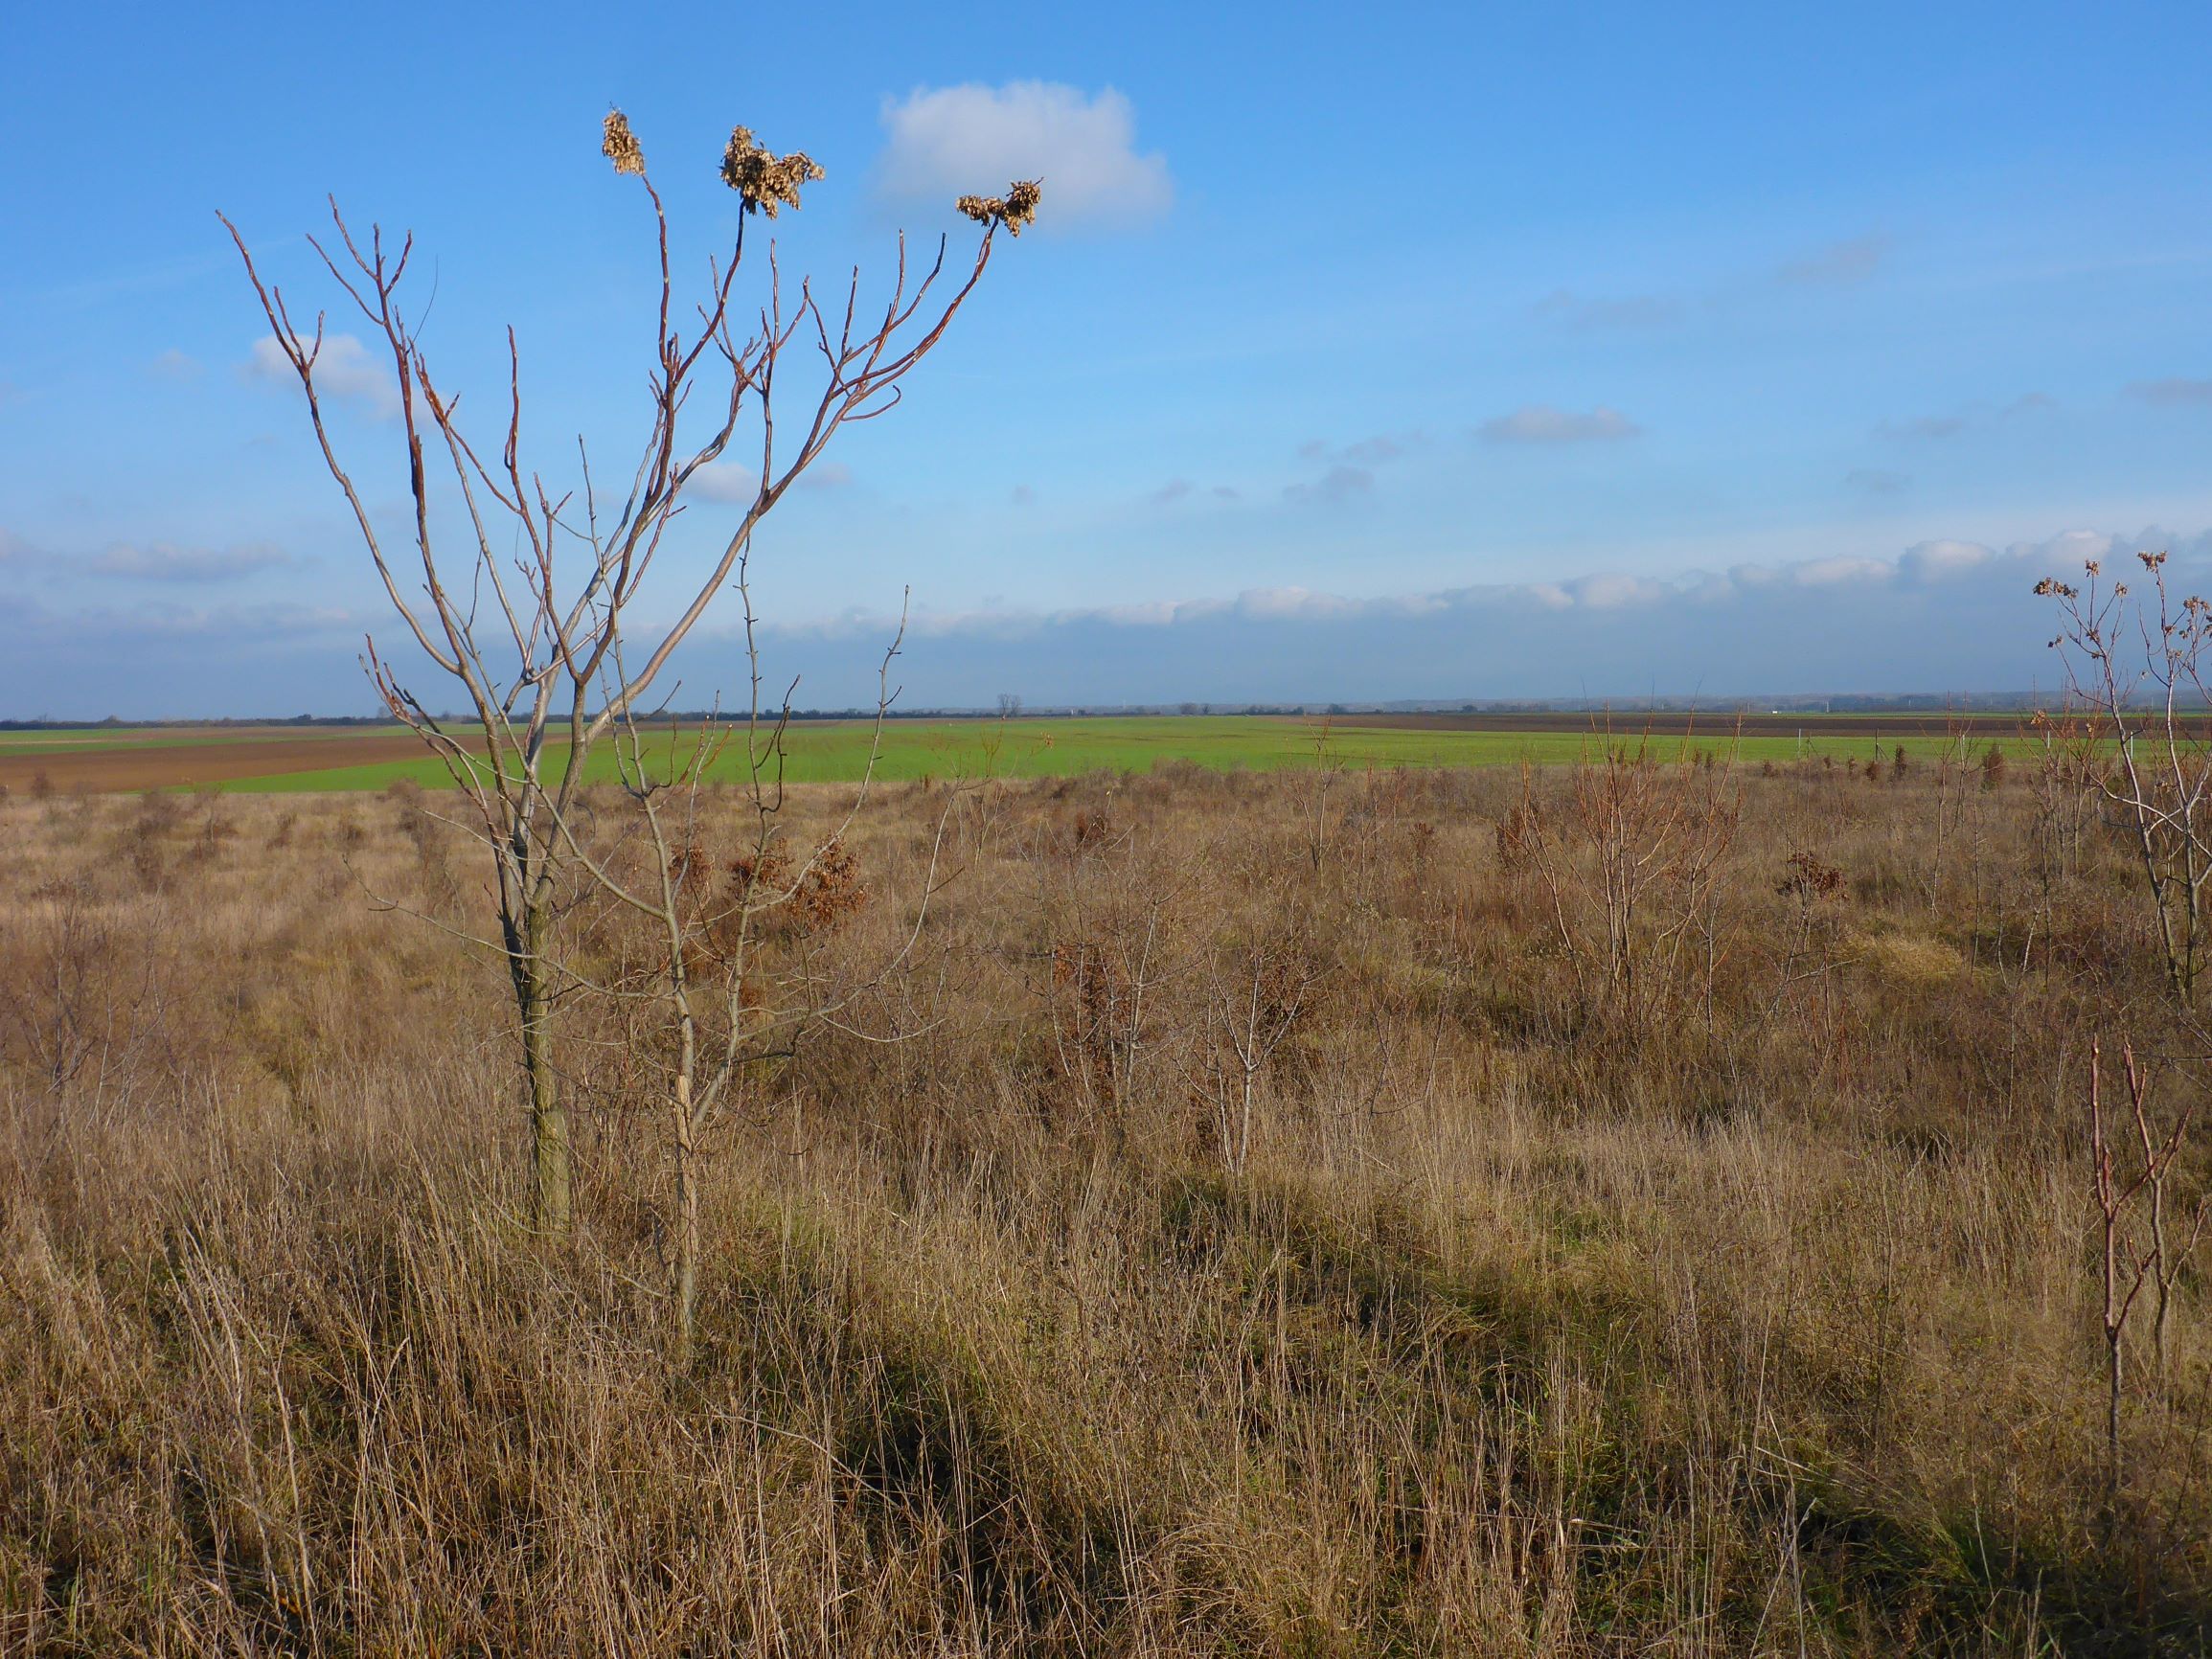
(1939, 616)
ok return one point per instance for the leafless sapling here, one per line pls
(528, 638)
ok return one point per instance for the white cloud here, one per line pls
(1541, 424)
(1294, 603)
(2012, 571)
(344, 369)
(1933, 560)
(952, 141)
(726, 481)
(1612, 591)
(2071, 549)
(1828, 572)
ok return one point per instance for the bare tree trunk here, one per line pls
(687, 1209)
(552, 1196)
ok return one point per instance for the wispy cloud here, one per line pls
(1347, 470)
(176, 365)
(1376, 451)
(1876, 481)
(2173, 393)
(1936, 427)
(945, 142)
(738, 482)
(1839, 263)
(1340, 484)
(344, 369)
(98, 630)
(156, 561)
(1922, 426)
(1543, 424)
(165, 562)
(1583, 313)
(1381, 449)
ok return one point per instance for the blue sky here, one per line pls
(1412, 352)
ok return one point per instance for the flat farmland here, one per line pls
(108, 760)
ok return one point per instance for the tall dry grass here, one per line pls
(1752, 1314)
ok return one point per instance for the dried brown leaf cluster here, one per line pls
(767, 181)
(620, 145)
(1016, 208)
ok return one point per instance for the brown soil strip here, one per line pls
(1674, 724)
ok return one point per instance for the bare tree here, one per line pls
(715, 918)
(1262, 990)
(533, 639)
(1631, 870)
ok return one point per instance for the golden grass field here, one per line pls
(1738, 1300)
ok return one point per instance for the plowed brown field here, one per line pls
(1673, 723)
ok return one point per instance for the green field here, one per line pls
(837, 751)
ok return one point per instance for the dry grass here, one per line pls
(1751, 1316)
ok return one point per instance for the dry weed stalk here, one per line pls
(2126, 1268)
(2139, 669)
(2122, 1268)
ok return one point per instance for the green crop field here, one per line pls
(838, 752)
